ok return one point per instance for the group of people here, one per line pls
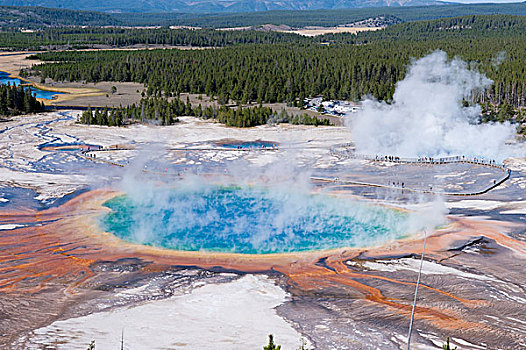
(388, 158)
(433, 160)
(398, 184)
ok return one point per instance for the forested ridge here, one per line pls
(325, 17)
(34, 17)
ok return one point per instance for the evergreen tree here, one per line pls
(15, 100)
(446, 346)
(271, 345)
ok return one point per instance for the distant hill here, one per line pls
(326, 18)
(212, 6)
(39, 17)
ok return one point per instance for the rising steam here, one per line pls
(426, 116)
(269, 209)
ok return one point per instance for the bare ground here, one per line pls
(13, 62)
(315, 31)
(127, 94)
(306, 31)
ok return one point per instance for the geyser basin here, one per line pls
(249, 220)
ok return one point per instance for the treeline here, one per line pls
(254, 116)
(108, 117)
(240, 117)
(15, 100)
(289, 72)
(162, 111)
(78, 38)
(152, 110)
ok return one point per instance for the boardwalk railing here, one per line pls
(347, 151)
(409, 189)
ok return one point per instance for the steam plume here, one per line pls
(426, 116)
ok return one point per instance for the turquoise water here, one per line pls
(48, 95)
(249, 220)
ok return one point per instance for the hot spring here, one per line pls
(249, 220)
(246, 144)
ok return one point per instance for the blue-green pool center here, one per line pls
(249, 220)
